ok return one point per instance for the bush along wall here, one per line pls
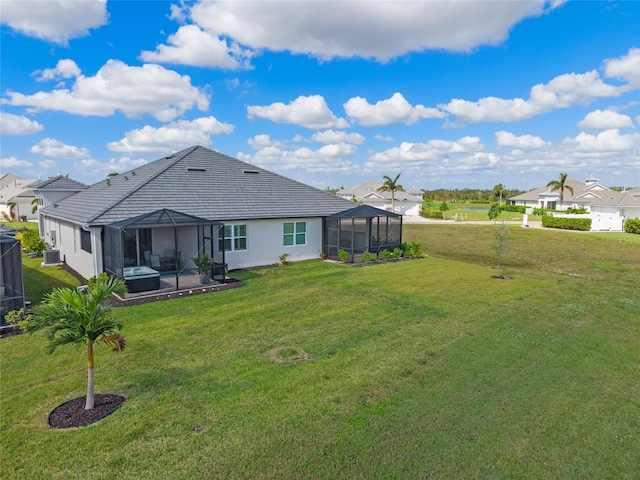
(583, 224)
(632, 225)
(432, 214)
(514, 208)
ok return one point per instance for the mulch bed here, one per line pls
(72, 414)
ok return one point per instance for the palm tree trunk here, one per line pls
(89, 402)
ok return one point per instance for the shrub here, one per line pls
(344, 256)
(384, 254)
(580, 211)
(32, 242)
(368, 257)
(541, 212)
(413, 249)
(632, 225)
(494, 211)
(514, 208)
(583, 224)
(93, 281)
(432, 214)
(397, 252)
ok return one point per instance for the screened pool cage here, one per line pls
(362, 229)
(11, 279)
(163, 242)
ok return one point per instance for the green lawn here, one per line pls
(417, 369)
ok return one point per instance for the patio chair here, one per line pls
(155, 262)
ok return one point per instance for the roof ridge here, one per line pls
(136, 187)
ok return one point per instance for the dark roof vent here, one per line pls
(126, 178)
(196, 169)
(133, 172)
(251, 171)
(108, 182)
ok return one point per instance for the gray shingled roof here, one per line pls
(58, 182)
(200, 182)
(581, 192)
(627, 198)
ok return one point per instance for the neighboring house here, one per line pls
(16, 192)
(611, 212)
(53, 190)
(166, 212)
(416, 193)
(368, 193)
(584, 195)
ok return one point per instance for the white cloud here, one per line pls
(13, 162)
(54, 20)
(18, 125)
(607, 141)
(190, 45)
(626, 67)
(561, 92)
(416, 155)
(383, 138)
(325, 159)
(47, 164)
(278, 156)
(383, 30)
(123, 164)
(173, 136)
(605, 120)
(135, 91)
(526, 142)
(333, 136)
(65, 68)
(308, 112)
(392, 110)
(263, 141)
(50, 147)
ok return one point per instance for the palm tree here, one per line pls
(69, 316)
(560, 184)
(391, 185)
(34, 205)
(498, 191)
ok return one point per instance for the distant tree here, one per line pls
(444, 207)
(494, 211)
(498, 191)
(560, 184)
(391, 185)
(34, 205)
(112, 174)
(69, 316)
(12, 210)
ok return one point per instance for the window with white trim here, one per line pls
(235, 238)
(294, 233)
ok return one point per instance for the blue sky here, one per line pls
(450, 94)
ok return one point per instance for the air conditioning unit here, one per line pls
(51, 257)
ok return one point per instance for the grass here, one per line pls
(417, 369)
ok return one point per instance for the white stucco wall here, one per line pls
(65, 237)
(265, 243)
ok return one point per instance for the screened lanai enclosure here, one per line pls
(362, 229)
(161, 244)
(11, 279)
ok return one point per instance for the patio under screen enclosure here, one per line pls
(162, 243)
(362, 229)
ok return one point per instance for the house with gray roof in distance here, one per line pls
(611, 212)
(54, 189)
(164, 213)
(584, 195)
(16, 196)
(369, 193)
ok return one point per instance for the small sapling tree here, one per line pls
(499, 246)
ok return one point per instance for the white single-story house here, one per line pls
(166, 212)
(16, 195)
(369, 193)
(611, 212)
(584, 195)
